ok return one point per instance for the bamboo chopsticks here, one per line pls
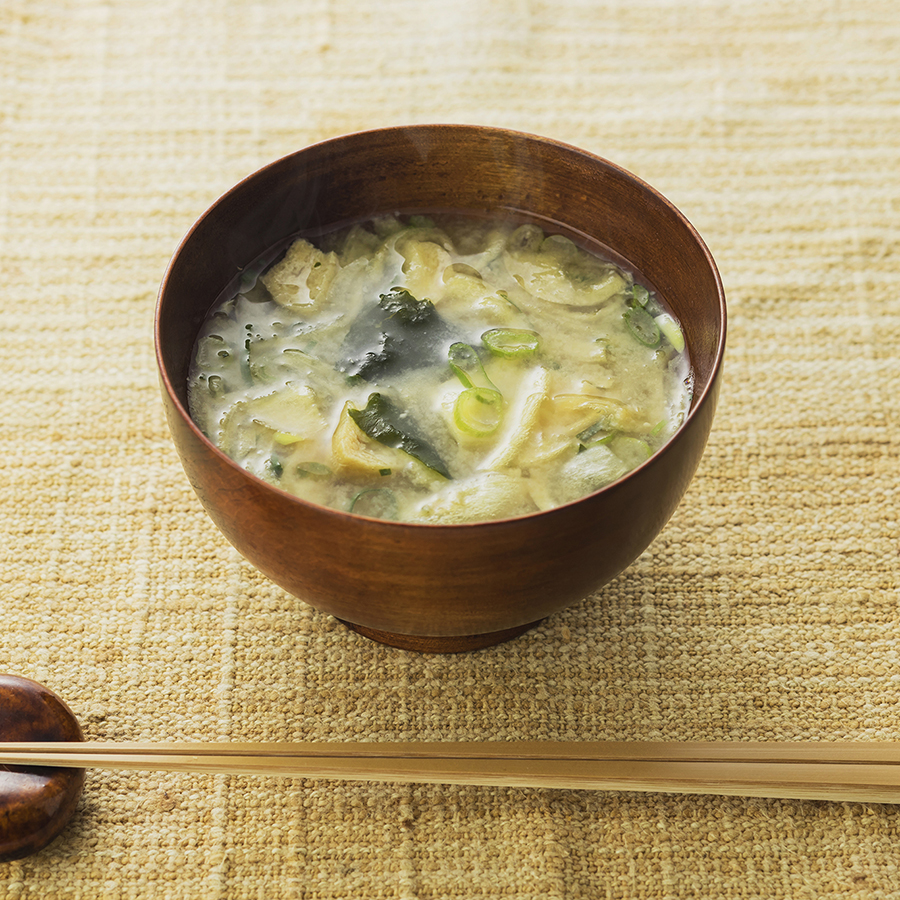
(862, 772)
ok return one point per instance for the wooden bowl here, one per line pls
(441, 587)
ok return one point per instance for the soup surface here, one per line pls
(440, 369)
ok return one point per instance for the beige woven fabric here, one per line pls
(767, 609)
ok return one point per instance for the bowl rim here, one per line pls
(698, 402)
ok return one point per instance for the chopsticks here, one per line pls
(861, 772)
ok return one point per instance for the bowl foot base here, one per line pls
(450, 644)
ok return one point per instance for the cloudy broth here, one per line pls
(440, 369)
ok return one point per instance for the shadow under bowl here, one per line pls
(442, 588)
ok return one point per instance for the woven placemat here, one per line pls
(768, 607)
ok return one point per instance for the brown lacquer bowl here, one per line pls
(441, 587)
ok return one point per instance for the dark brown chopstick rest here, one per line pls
(36, 803)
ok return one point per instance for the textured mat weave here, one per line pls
(767, 609)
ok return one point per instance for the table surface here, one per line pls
(766, 610)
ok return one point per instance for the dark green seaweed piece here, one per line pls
(395, 334)
(400, 304)
(386, 423)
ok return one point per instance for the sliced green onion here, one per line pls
(478, 411)
(671, 331)
(275, 466)
(504, 296)
(511, 343)
(631, 450)
(284, 438)
(384, 471)
(639, 295)
(466, 366)
(315, 470)
(598, 433)
(642, 326)
(376, 503)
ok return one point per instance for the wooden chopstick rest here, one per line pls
(36, 804)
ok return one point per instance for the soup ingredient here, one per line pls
(643, 326)
(467, 366)
(511, 343)
(383, 421)
(377, 503)
(478, 411)
(440, 369)
(398, 332)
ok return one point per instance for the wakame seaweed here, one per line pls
(396, 334)
(385, 422)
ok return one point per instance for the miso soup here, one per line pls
(440, 369)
